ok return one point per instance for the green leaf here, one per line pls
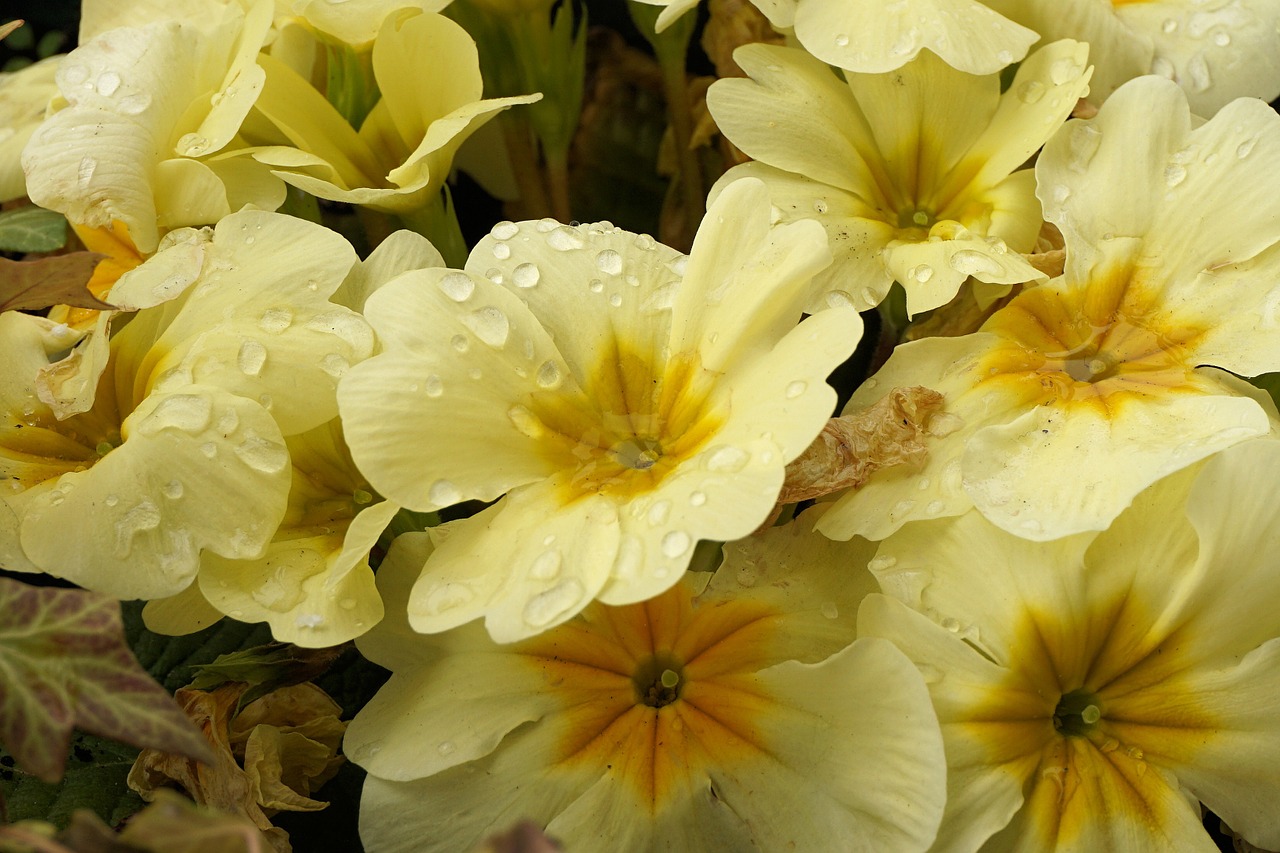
(266, 668)
(95, 779)
(65, 663)
(173, 660)
(60, 280)
(32, 229)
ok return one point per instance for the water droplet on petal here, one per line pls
(971, 262)
(448, 596)
(830, 610)
(505, 230)
(251, 358)
(501, 251)
(676, 544)
(565, 239)
(1063, 70)
(795, 389)
(108, 83)
(525, 421)
(609, 262)
(842, 40)
(457, 286)
(460, 343)
(260, 454)
(921, 273)
(545, 566)
(697, 498)
(546, 607)
(489, 325)
(434, 386)
(1246, 148)
(275, 320)
(659, 512)
(172, 490)
(1174, 175)
(335, 365)
(525, 275)
(445, 748)
(549, 374)
(727, 460)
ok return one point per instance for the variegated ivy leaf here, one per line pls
(64, 663)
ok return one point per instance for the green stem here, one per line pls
(525, 165)
(671, 47)
(558, 181)
(438, 222)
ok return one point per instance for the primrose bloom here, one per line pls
(626, 399)
(312, 584)
(1216, 50)
(1083, 391)
(146, 130)
(428, 73)
(180, 449)
(914, 174)
(733, 712)
(1092, 688)
(874, 36)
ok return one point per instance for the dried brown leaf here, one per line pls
(852, 447)
(57, 280)
(732, 24)
(221, 784)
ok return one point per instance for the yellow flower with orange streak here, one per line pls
(1083, 391)
(1092, 688)
(732, 712)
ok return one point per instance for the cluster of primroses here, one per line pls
(1052, 627)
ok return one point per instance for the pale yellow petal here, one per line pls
(872, 36)
(198, 470)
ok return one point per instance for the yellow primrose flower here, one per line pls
(913, 173)
(313, 584)
(1083, 391)
(233, 343)
(1091, 689)
(1216, 50)
(627, 400)
(428, 72)
(147, 126)
(24, 96)
(874, 36)
(733, 712)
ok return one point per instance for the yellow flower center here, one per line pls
(654, 692)
(1097, 345)
(635, 421)
(1122, 699)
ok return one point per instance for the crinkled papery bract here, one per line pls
(1108, 374)
(1087, 686)
(747, 717)
(181, 450)
(627, 400)
(912, 173)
